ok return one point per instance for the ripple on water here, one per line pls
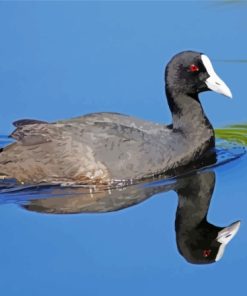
(227, 151)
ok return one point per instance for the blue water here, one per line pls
(63, 59)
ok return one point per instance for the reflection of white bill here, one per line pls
(225, 236)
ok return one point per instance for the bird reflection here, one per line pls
(198, 241)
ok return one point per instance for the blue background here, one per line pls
(63, 59)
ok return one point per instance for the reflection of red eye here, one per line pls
(193, 68)
(206, 253)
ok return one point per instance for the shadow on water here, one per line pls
(198, 241)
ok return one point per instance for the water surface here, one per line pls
(63, 59)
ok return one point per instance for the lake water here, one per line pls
(63, 59)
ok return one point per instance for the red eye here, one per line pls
(193, 68)
(206, 253)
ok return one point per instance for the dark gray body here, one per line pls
(100, 148)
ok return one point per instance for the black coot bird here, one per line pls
(109, 148)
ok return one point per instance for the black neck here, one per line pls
(187, 111)
(195, 194)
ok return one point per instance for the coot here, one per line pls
(111, 148)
